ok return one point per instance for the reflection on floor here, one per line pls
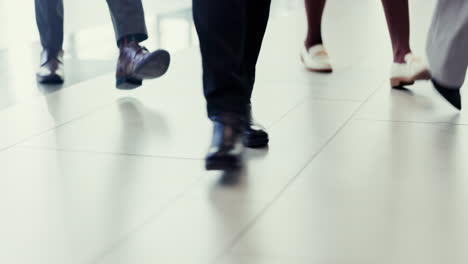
(355, 173)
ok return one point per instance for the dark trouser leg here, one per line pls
(128, 19)
(257, 20)
(49, 19)
(397, 14)
(221, 27)
(258, 12)
(230, 33)
(314, 11)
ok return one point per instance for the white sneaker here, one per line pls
(316, 59)
(414, 68)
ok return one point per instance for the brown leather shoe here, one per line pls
(136, 63)
(51, 68)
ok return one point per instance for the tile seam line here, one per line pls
(127, 235)
(303, 101)
(410, 122)
(40, 95)
(31, 147)
(292, 180)
(283, 116)
(183, 194)
(38, 134)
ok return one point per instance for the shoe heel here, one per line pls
(395, 82)
(128, 83)
(222, 166)
(256, 143)
(50, 79)
(398, 82)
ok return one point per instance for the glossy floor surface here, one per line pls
(356, 172)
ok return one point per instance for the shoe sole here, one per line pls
(399, 81)
(257, 143)
(314, 69)
(319, 70)
(222, 165)
(52, 79)
(128, 83)
(155, 66)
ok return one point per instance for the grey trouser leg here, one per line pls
(128, 18)
(447, 44)
(49, 19)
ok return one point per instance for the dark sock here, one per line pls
(128, 39)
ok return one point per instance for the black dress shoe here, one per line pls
(136, 63)
(226, 149)
(451, 94)
(51, 68)
(255, 135)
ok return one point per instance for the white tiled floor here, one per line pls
(355, 173)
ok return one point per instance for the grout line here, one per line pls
(166, 207)
(106, 153)
(283, 116)
(94, 110)
(411, 122)
(65, 87)
(180, 195)
(304, 100)
(318, 98)
(250, 225)
(159, 212)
